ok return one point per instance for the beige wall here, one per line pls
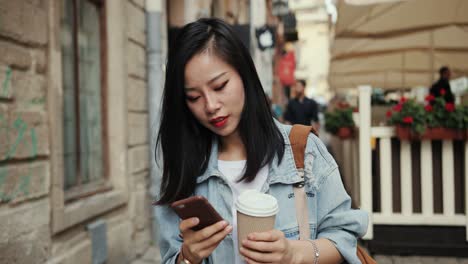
(312, 49)
(36, 225)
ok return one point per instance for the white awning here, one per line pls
(399, 44)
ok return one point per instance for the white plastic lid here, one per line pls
(255, 203)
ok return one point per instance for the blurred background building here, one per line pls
(80, 93)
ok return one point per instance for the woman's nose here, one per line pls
(212, 104)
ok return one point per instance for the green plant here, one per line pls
(340, 117)
(465, 117)
(408, 113)
(439, 113)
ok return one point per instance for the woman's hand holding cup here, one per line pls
(267, 247)
(198, 245)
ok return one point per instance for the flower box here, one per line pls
(404, 133)
(345, 132)
(431, 133)
(339, 122)
(441, 133)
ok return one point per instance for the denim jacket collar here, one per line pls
(285, 172)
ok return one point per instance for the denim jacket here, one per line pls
(329, 206)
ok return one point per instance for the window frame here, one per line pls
(71, 207)
(80, 190)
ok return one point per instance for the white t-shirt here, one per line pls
(233, 170)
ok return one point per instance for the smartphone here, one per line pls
(197, 206)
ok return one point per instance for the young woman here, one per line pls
(218, 138)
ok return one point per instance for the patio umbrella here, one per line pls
(398, 44)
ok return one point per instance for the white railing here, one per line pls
(362, 179)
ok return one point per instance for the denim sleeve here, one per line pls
(168, 235)
(336, 220)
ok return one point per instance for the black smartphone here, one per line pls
(197, 206)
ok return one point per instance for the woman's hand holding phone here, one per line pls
(198, 245)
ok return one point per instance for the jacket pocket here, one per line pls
(291, 233)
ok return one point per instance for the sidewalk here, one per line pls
(384, 259)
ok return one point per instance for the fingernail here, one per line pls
(195, 221)
(229, 228)
(223, 223)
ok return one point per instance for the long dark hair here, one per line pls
(185, 143)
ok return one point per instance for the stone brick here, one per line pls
(23, 134)
(24, 21)
(39, 60)
(153, 255)
(408, 260)
(137, 129)
(6, 79)
(29, 91)
(137, 95)
(141, 207)
(139, 179)
(142, 242)
(81, 252)
(136, 60)
(434, 260)
(23, 219)
(141, 261)
(383, 259)
(138, 159)
(136, 23)
(139, 3)
(119, 243)
(25, 181)
(31, 247)
(14, 55)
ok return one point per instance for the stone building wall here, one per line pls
(36, 225)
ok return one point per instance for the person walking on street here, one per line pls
(442, 86)
(218, 138)
(302, 110)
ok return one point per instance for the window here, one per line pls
(84, 90)
(86, 38)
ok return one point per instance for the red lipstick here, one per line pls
(219, 121)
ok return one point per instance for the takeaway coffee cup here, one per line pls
(256, 212)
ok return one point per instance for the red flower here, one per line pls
(442, 92)
(430, 98)
(450, 107)
(389, 113)
(398, 107)
(343, 105)
(356, 110)
(428, 108)
(403, 99)
(408, 120)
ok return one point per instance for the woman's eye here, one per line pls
(192, 99)
(219, 88)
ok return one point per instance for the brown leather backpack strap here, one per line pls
(298, 138)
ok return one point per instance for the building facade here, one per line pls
(81, 86)
(74, 144)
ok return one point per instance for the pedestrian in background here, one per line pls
(442, 86)
(302, 110)
(218, 138)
